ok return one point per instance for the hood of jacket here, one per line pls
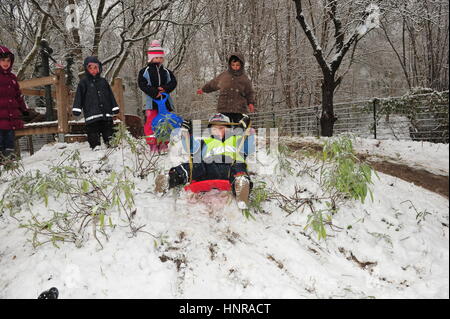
(5, 50)
(241, 58)
(92, 59)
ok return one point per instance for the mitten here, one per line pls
(245, 121)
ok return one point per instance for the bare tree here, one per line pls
(25, 29)
(291, 64)
(346, 35)
(422, 48)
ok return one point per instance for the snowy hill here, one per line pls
(396, 246)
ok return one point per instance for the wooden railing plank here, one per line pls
(33, 92)
(63, 99)
(37, 130)
(118, 94)
(48, 80)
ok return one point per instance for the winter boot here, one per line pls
(161, 183)
(52, 293)
(242, 189)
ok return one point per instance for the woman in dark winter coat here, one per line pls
(95, 98)
(12, 104)
(236, 96)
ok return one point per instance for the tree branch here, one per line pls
(318, 53)
(405, 71)
(151, 13)
(48, 15)
(31, 55)
(338, 34)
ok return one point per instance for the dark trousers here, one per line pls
(94, 130)
(209, 171)
(6, 142)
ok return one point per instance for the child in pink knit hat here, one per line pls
(153, 80)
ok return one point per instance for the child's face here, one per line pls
(235, 65)
(5, 63)
(93, 69)
(158, 60)
(218, 130)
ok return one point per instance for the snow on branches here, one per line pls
(371, 21)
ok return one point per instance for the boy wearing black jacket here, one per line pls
(95, 98)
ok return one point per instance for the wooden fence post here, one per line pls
(30, 144)
(118, 94)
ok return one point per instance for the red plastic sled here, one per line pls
(208, 185)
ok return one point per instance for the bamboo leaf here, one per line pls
(85, 186)
(102, 220)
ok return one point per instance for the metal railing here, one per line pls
(422, 117)
(421, 120)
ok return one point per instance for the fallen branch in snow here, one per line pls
(83, 192)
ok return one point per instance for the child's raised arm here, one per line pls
(211, 86)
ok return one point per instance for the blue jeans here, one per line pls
(6, 141)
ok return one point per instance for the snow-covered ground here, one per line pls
(432, 157)
(394, 247)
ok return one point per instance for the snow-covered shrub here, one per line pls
(10, 165)
(82, 198)
(135, 154)
(426, 112)
(258, 196)
(343, 172)
(163, 130)
(334, 175)
(89, 197)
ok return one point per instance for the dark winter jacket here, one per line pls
(12, 104)
(94, 96)
(153, 76)
(236, 91)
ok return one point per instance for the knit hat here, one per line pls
(6, 53)
(155, 50)
(92, 59)
(218, 119)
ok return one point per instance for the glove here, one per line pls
(153, 92)
(245, 121)
(187, 124)
(199, 91)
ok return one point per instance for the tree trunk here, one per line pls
(77, 51)
(327, 119)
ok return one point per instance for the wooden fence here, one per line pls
(64, 100)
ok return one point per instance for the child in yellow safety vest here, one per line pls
(217, 157)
